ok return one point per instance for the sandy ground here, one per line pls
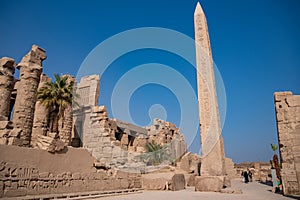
(251, 191)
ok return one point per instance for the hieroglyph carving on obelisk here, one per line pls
(213, 158)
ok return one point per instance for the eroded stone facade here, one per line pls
(287, 108)
(115, 143)
(25, 171)
(121, 145)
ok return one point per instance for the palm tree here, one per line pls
(157, 154)
(56, 96)
(153, 155)
(275, 160)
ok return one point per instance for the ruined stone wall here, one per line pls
(166, 133)
(30, 72)
(115, 143)
(118, 144)
(25, 171)
(88, 94)
(287, 108)
(100, 140)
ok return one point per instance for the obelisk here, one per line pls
(213, 158)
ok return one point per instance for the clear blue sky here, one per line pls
(255, 44)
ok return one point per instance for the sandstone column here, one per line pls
(30, 72)
(7, 81)
(213, 158)
(41, 115)
(66, 124)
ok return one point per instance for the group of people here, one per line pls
(247, 176)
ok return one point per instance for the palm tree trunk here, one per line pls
(276, 165)
(53, 124)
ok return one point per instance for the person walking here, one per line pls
(245, 174)
(250, 175)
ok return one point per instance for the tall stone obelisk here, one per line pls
(213, 157)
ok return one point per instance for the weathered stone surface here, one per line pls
(209, 183)
(166, 133)
(213, 157)
(41, 115)
(190, 179)
(28, 171)
(30, 72)
(7, 81)
(190, 163)
(66, 122)
(49, 144)
(293, 101)
(287, 107)
(163, 181)
(230, 171)
(88, 90)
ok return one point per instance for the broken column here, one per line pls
(7, 81)
(41, 114)
(30, 72)
(66, 124)
(213, 158)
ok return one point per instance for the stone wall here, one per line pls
(25, 171)
(115, 143)
(167, 134)
(122, 145)
(287, 108)
(88, 94)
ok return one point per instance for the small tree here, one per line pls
(157, 154)
(275, 160)
(153, 155)
(56, 96)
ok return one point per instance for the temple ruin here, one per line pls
(114, 147)
(91, 151)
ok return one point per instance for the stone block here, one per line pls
(163, 181)
(209, 183)
(279, 96)
(293, 101)
(227, 181)
(190, 180)
(178, 182)
(6, 125)
(99, 109)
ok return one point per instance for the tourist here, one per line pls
(250, 175)
(245, 174)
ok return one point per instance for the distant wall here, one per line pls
(287, 108)
(27, 171)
